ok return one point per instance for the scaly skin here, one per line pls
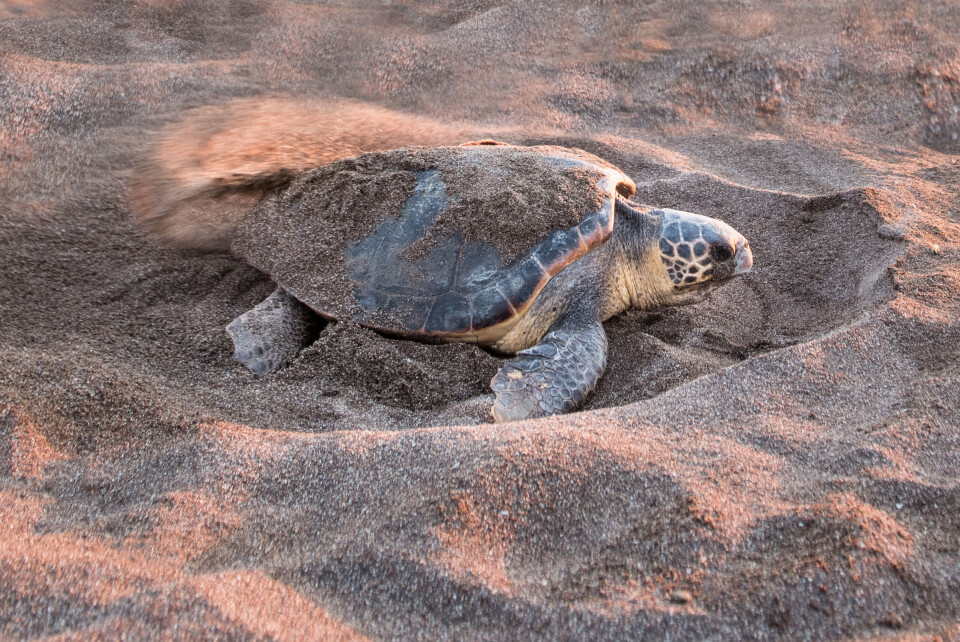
(556, 375)
(270, 335)
(559, 343)
(560, 371)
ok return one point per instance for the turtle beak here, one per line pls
(743, 262)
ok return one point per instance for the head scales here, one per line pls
(694, 247)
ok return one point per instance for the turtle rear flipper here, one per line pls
(270, 335)
(556, 375)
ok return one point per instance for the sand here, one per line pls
(780, 460)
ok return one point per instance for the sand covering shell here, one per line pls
(385, 237)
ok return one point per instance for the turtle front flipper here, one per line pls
(270, 335)
(556, 375)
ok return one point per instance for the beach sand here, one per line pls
(780, 460)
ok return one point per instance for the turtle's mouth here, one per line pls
(701, 291)
(744, 259)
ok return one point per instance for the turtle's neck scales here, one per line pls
(636, 277)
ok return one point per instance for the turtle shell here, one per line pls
(445, 243)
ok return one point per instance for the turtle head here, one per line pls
(697, 251)
(670, 257)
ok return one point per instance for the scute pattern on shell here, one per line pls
(356, 262)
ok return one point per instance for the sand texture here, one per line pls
(778, 461)
(342, 224)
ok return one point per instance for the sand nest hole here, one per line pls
(820, 262)
(148, 346)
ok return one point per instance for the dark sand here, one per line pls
(781, 460)
(313, 235)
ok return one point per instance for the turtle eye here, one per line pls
(721, 251)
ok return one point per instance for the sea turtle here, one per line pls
(523, 250)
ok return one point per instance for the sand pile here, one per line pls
(779, 460)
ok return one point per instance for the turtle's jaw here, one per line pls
(743, 260)
(689, 294)
(701, 291)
